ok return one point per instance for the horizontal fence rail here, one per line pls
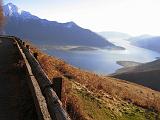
(54, 104)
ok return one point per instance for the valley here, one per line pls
(106, 75)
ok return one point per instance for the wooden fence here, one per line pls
(53, 102)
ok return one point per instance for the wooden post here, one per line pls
(57, 86)
(23, 43)
(20, 41)
(27, 46)
(35, 55)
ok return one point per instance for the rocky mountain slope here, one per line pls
(41, 31)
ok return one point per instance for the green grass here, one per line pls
(136, 113)
(94, 109)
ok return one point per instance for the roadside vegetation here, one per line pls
(87, 96)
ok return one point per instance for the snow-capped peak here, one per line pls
(10, 9)
(20, 11)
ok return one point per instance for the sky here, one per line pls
(134, 17)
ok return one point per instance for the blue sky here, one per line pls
(131, 16)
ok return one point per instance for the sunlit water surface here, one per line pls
(104, 61)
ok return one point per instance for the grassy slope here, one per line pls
(87, 96)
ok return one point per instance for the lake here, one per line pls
(104, 61)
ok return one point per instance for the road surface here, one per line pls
(16, 102)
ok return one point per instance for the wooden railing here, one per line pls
(54, 104)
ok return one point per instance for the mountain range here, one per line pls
(88, 96)
(145, 41)
(148, 42)
(41, 31)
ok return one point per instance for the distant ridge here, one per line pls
(148, 42)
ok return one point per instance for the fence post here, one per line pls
(57, 86)
(23, 43)
(20, 41)
(27, 46)
(35, 55)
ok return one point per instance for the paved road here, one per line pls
(16, 102)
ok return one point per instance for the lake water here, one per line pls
(104, 61)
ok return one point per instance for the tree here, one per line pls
(1, 17)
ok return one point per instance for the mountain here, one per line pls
(148, 42)
(11, 10)
(145, 74)
(114, 35)
(41, 31)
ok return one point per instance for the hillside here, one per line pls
(144, 74)
(148, 42)
(41, 31)
(87, 96)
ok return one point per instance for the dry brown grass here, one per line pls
(131, 92)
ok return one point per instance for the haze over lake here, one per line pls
(104, 61)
